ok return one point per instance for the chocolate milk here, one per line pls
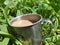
(22, 23)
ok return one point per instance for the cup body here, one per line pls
(32, 32)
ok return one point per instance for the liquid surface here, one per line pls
(22, 23)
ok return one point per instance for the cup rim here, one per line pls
(25, 15)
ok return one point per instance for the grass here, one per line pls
(49, 9)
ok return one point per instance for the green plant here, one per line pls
(47, 8)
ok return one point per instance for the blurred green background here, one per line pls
(49, 9)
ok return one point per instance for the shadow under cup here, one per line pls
(28, 32)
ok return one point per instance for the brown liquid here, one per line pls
(22, 23)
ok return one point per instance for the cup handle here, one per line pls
(50, 23)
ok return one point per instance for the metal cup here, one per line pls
(31, 32)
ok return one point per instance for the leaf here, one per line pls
(58, 31)
(19, 12)
(5, 34)
(47, 1)
(4, 14)
(7, 2)
(5, 41)
(56, 24)
(54, 39)
(2, 21)
(34, 9)
(58, 37)
(48, 39)
(3, 28)
(1, 15)
(46, 43)
(11, 3)
(1, 38)
(10, 17)
(18, 42)
(50, 8)
(51, 43)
